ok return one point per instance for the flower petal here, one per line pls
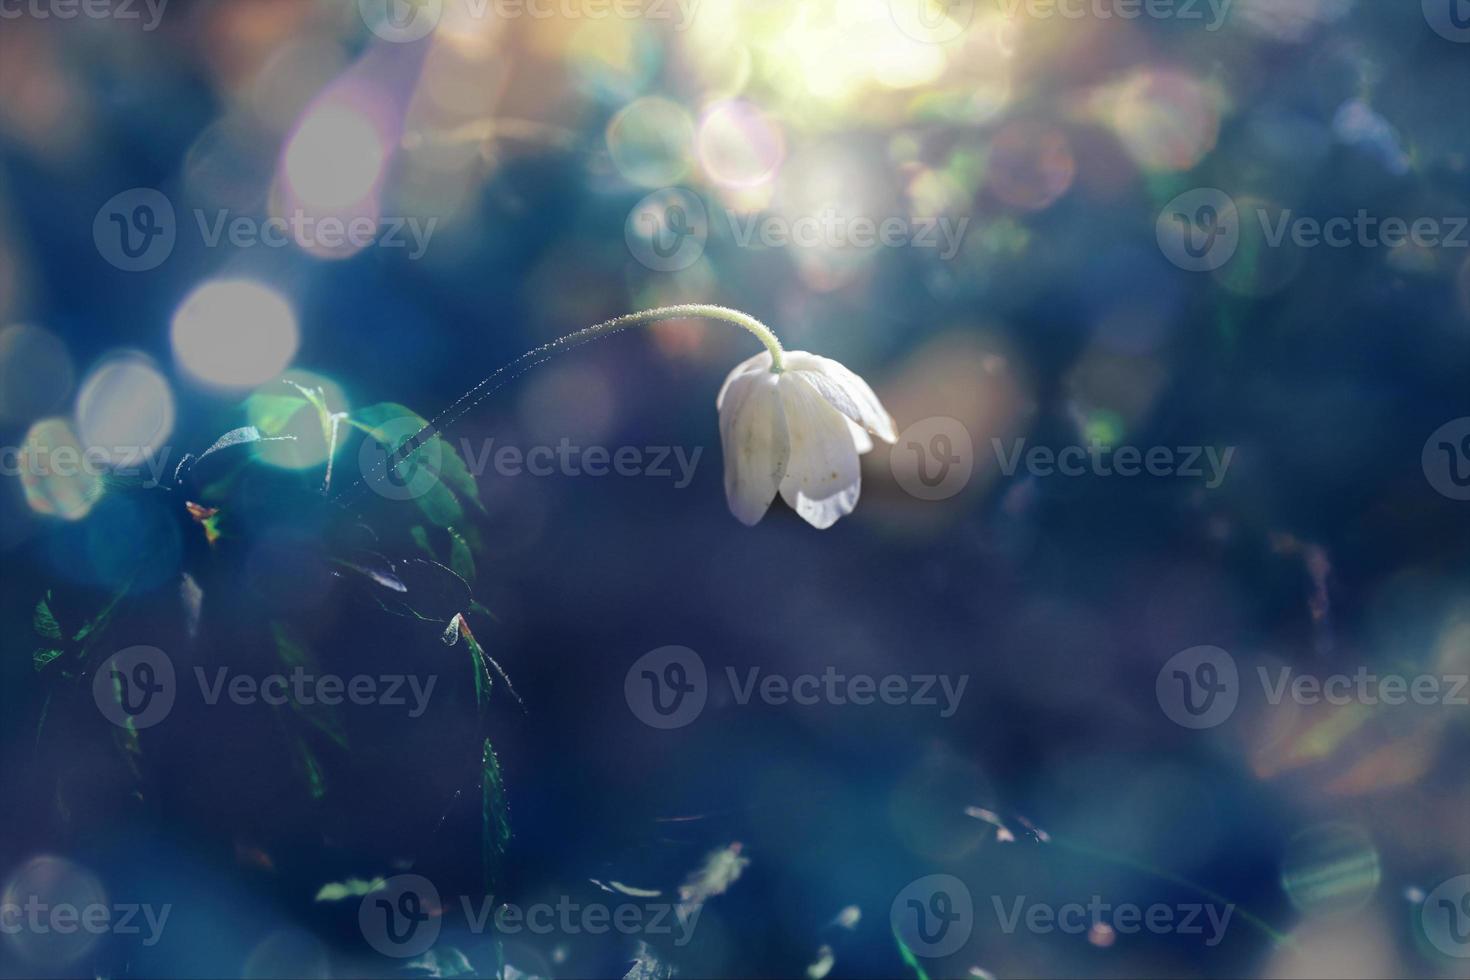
(822, 479)
(753, 435)
(759, 364)
(847, 392)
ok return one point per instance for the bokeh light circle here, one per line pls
(234, 333)
(738, 145)
(125, 409)
(651, 142)
(335, 158)
(1330, 869)
(1031, 165)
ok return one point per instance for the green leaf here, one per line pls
(483, 682)
(235, 437)
(447, 462)
(445, 962)
(41, 658)
(440, 506)
(909, 957)
(460, 558)
(336, 891)
(294, 653)
(310, 768)
(271, 414)
(44, 621)
(99, 622)
(495, 830)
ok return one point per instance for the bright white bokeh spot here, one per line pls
(125, 410)
(335, 158)
(235, 333)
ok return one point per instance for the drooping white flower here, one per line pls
(798, 432)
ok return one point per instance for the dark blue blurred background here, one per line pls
(1075, 151)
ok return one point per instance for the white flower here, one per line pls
(800, 432)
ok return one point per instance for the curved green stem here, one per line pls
(528, 360)
(704, 311)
